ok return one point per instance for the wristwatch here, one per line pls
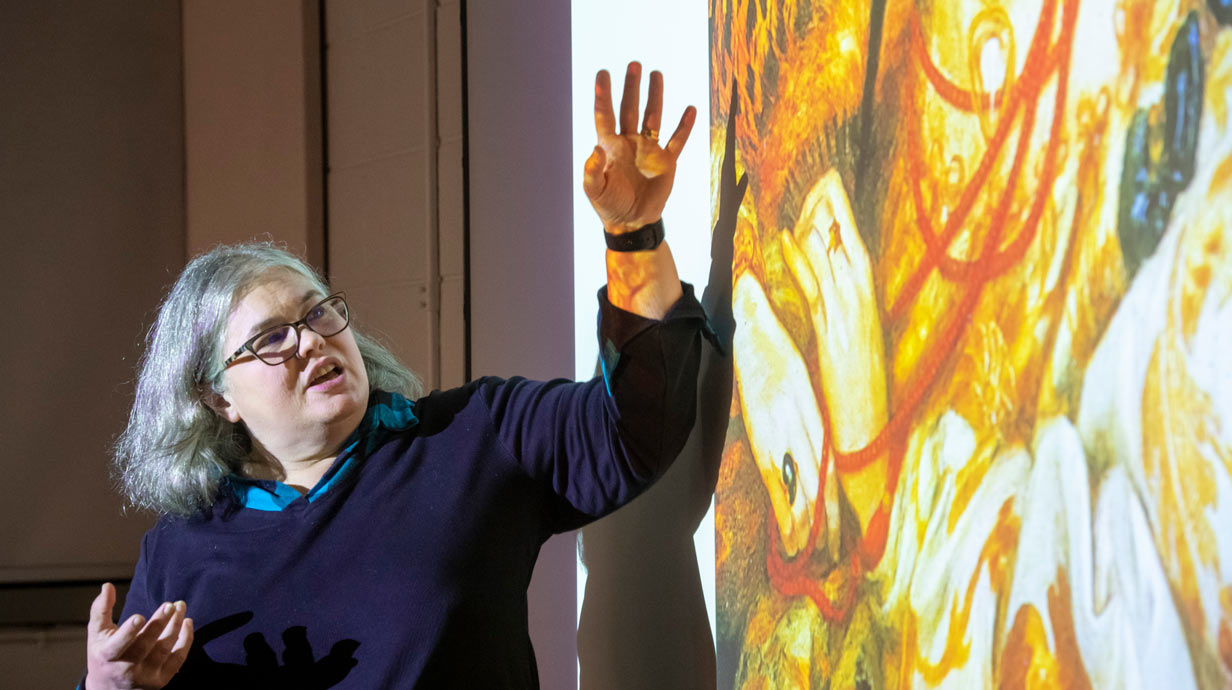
(643, 239)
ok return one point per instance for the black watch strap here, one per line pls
(643, 239)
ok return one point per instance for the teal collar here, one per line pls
(387, 413)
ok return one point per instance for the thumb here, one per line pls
(593, 179)
(100, 610)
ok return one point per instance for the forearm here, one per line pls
(650, 367)
(644, 283)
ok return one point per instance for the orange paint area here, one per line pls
(973, 216)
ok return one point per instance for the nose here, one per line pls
(309, 341)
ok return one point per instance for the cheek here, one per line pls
(361, 372)
(350, 350)
(260, 392)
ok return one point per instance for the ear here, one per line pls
(220, 404)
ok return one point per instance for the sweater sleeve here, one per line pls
(600, 443)
(138, 598)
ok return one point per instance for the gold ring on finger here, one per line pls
(652, 134)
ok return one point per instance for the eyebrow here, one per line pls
(310, 296)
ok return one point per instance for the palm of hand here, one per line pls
(138, 653)
(638, 175)
(629, 176)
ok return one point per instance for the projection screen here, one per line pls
(981, 420)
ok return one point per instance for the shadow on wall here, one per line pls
(643, 622)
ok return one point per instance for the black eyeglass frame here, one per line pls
(295, 326)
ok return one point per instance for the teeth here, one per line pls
(329, 369)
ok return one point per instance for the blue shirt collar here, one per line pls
(387, 413)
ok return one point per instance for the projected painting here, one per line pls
(982, 425)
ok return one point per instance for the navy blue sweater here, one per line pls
(412, 570)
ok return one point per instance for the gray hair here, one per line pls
(175, 450)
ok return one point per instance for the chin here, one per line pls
(352, 401)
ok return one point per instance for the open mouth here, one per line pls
(330, 372)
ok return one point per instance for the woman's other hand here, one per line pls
(629, 176)
(137, 653)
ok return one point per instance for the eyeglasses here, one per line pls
(278, 344)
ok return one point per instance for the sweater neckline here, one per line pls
(387, 413)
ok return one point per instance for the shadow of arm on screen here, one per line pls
(643, 622)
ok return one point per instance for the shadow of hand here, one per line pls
(299, 668)
(716, 298)
(643, 622)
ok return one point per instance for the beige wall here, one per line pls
(136, 135)
(357, 167)
(92, 216)
(394, 182)
(521, 247)
(91, 207)
(252, 124)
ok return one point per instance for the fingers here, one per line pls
(629, 99)
(828, 214)
(815, 231)
(118, 644)
(800, 268)
(258, 653)
(629, 106)
(840, 208)
(823, 263)
(676, 144)
(728, 172)
(145, 640)
(297, 650)
(100, 610)
(653, 118)
(593, 180)
(833, 537)
(763, 393)
(605, 121)
(734, 108)
(805, 436)
(170, 632)
(815, 211)
(179, 653)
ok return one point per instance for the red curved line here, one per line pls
(789, 578)
(936, 248)
(791, 582)
(1040, 63)
(962, 98)
(937, 352)
(953, 94)
(999, 262)
(1002, 261)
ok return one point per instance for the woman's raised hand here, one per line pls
(629, 175)
(137, 653)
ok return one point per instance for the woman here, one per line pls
(320, 527)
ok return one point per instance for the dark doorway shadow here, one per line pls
(297, 667)
(643, 622)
